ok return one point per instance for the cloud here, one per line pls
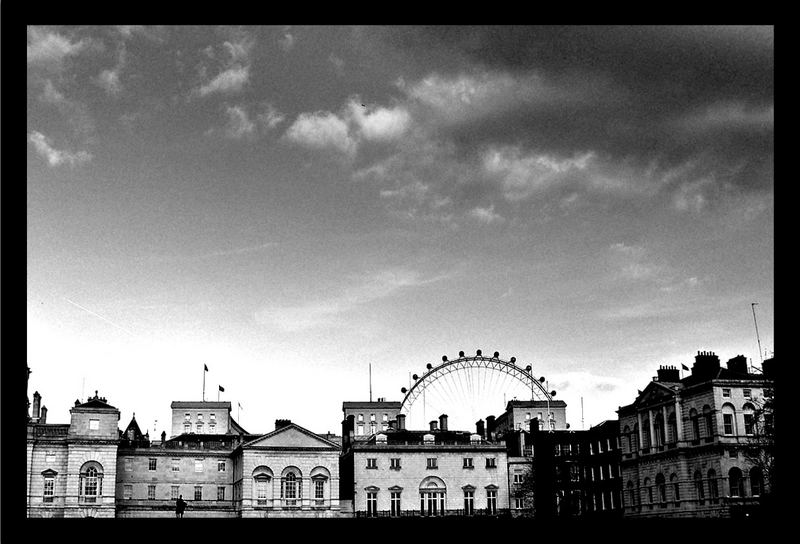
(51, 95)
(239, 125)
(486, 215)
(108, 79)
(231, 80)
(286, 42)
(369, 288)
(729, 115)
(632, 262)
(378, 123)
(50, 49)
(271, 118)
(322, 130)
(338, 64)
(54, 156)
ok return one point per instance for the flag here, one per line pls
(240, 404)
(685, 367)
(205, 367)
(221, 388)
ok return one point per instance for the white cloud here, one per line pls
(286, 41)
(54, 156)
(486, 215)
(378, 123)
(239, 124)
(51, 95)
(230, 81)
(50, 48)
(729, 115)
(322, 130)
(270, 118)
(109, 80)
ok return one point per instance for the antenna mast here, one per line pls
(760, 354)
(370, 382)
(581, 413)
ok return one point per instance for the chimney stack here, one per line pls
(768, 368)
(706, 364)
(480, 429)
(401, 422)
(668, 374)
(738, 364)
(434, 423)
(43, 418)
(490, 428)
(37, 400)
(281, 423)
(443, 422)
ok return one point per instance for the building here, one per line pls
(551, 414)
(371, 417)
(71, 468)
(435, 472)
(687, 443)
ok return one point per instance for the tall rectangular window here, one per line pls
(519, 503)
(220, 466)
(491, 501)
(748, 424)
(198, 492)
(176, 465)
(727, 422)
(151, 492)
(151, 463)
(220, 493)
(432, 463)
(198, 465)
(261, 491)
(128, 464)
(360, 430)
(175, 492)
(372, 463)
(469, 502)
(519, 478)
(491, 462)
(212, 417)
(187, 427)
(372, 503)
(49, 488)
(199, 417)
(187, 416)
(395, 503)
(468, 462)
(319, 492)
(394, 463)
(726, 392)
(127, 492)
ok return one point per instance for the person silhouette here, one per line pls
(180, 506)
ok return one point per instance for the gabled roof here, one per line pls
(203, 405)
(290, 436)
(137, 432)
(95, 402)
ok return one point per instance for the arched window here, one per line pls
(661, 484)
(659, 429)
(713, 487)
(708, 415)
(672, 427)
(695, 419)
(631, 495)
(736, 482)
(676, 489)
(291, 487)
(262, 486)
(698, 487)
(649, 489)
(728, 419)
(635, 438)
(756, 482)
(91, 481)
(432, 491)
(320, 477)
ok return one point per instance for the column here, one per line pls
(652, 428)
(666, 424)
(678, 418)
(641, 436)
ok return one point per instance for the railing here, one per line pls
(52, 431)
(477, 513)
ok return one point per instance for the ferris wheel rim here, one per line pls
(473, 361)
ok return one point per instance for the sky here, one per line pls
(290, 205)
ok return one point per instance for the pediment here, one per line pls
(654, 393)
(291, 437)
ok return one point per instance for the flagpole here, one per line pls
(204, 382)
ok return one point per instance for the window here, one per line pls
(50, 486)
(152, 463)
(756, 482)
(187, 428)
(394, 463)
(261, 490)
(519, 503)
(468, 462)
(372, 463)
(199, 417)
(610, 472)
(699, 488)
(291, 488)
(491, 501)
(747, 393)
(127, 492)
(519, 478)
(212, 429)
(360, 430)
(469, 502)
(385, 417)
(372, 503)
(695, 419)
(128, 464)
(662, 489)
(713, 488)
(372, 417)
(220, 493)
(198, 492)
(736, 482)
(187, 416)
(709, 417)
(174, 492)
(631, 495)
(574, 473)
(212, 417)
(50, 457)
(319, 492)
(395, 503)
(649, 493)
(199, 427)
(176, 465)
(491, 462)
(676, 489)
(91, 484)
(527, 416)
(748, 423)
(151, 492)
(726, 392)
(360, 418)
(220, 466)
(552, 425)
(432, 462)
(727, 420)
(591, 448)
(198, 465)
(94, 424)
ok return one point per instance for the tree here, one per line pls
(527, 490)
(760, 449)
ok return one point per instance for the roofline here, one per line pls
(299, 428)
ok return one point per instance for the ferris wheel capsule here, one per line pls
(403, 390)
(416, 377)
(430, 366)
(461, 353)
(478, 352)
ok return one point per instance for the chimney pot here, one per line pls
(433, 424)
(401, 422)
(443, 422)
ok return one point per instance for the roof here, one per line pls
(370, 404)
(208, 405)
(94, 402)
(534, 403)
(288, 426)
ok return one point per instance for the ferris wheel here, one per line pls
(469, 388)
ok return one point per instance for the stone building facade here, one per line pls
(685, 441)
